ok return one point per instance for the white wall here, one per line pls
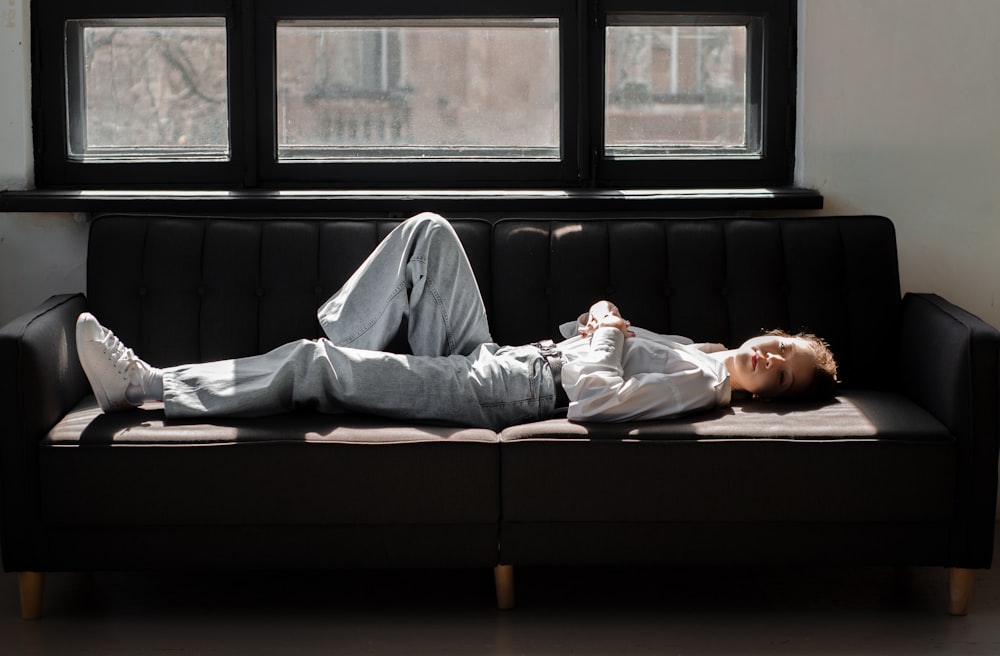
(898, 115)
(15, 135)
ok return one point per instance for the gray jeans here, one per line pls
(420, 277)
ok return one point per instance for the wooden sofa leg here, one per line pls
(32, 588)
(960, 589)
(504, 577)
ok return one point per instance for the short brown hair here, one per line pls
(824, 380)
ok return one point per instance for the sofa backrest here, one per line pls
(196, 289)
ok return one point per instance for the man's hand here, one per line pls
(605, 314)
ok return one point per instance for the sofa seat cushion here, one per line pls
(865, 457)
(135, 468)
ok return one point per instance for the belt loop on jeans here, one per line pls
(555, 361)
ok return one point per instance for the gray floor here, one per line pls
(879, 611)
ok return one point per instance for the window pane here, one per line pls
(677, 90)
(442, 89)
(147, 89)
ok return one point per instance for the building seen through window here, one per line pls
(675, 89)
(447, 89)
(443, 89)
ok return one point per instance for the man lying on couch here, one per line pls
(419, 277)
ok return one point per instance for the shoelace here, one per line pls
(123, 359)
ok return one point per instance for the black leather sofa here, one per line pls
(901, 468)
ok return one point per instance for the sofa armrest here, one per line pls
(950, 365)
(40, 380)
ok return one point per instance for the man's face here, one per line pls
(770, 367)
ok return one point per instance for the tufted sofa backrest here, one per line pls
(196, 289)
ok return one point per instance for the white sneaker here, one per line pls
(109, 365)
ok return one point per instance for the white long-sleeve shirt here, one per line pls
(649, 376)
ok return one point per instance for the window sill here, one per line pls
(401, 201)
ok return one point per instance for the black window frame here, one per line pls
(54, 168)
(770, 87)
(253, 165)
